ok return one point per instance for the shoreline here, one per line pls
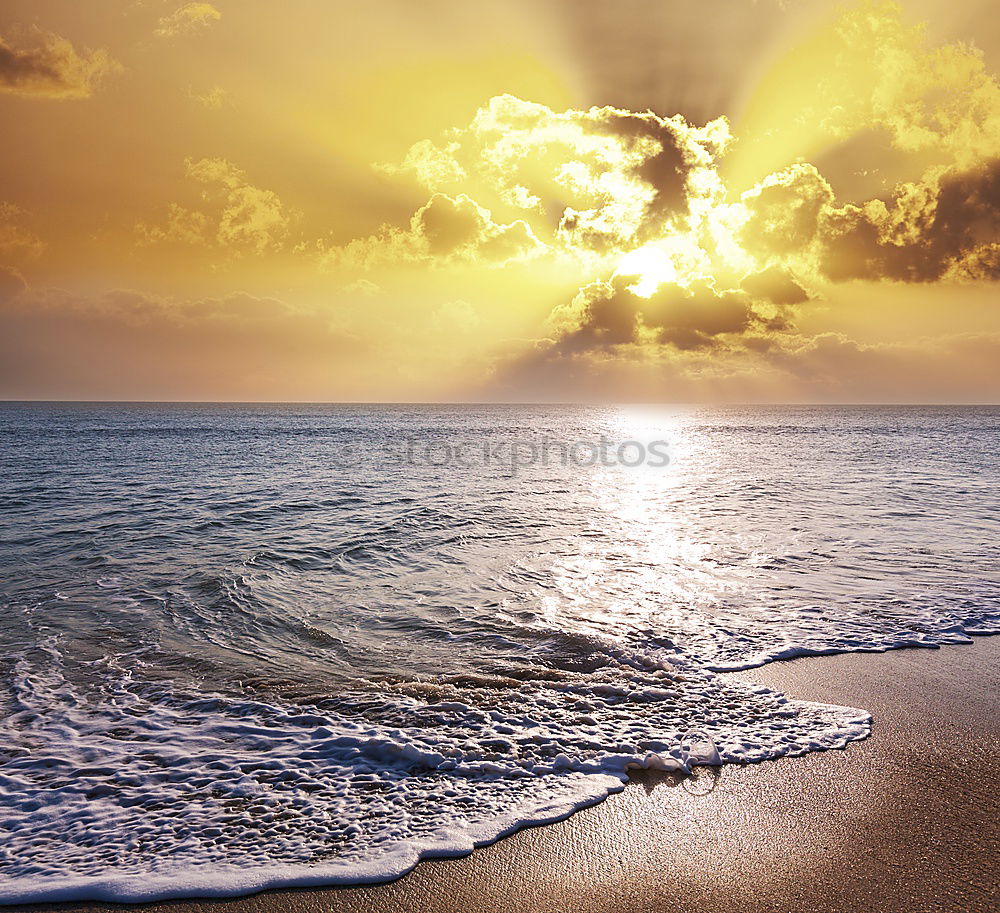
(904, 819)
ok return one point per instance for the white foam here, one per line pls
(133, 793)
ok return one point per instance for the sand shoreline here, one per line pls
(906, 819)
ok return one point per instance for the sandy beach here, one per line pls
(905, 820)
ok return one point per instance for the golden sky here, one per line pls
(554, 200)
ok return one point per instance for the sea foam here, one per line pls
(127, 791)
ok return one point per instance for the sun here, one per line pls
(651, 265)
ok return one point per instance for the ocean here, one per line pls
(247, 646)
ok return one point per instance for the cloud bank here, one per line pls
(235, 347)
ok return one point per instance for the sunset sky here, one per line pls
(552, 200)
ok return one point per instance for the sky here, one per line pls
(555, 201)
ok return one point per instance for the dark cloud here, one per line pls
(693, 317)
(50, 67)
(946, 226)
(607, 314)
(458, 227)
(828, 367)
(666, 153)
(776, 285)
(851, 246)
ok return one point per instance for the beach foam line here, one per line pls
(132, 792)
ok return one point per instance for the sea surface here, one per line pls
(251, 646)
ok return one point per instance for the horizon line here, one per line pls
(564, 403)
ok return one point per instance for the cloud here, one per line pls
(738, 303)
(825, 367)
(214, 99)
(58, 344)
(252, 218)
(17, 243)
(782, 214)
(944, 227)
(604, 183)
(866, 78)
(789, 233)
(50, 67)
(445, 230)
(608, 314)
(239, 217)
(682, 269)
(940, 101)
(646, 252)
(189, 19)
(456, 315)
(11, 283)
(182, 226)
(776, 285)
(939, 369)
(602, 180)
(363, 287)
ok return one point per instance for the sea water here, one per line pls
(251, 646)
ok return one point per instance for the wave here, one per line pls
(119, 789)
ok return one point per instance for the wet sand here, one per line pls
(907, 820)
